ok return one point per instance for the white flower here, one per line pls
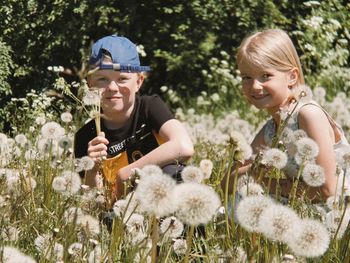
(72, 214)
(68, 183)
(40, 120)
(13, 255)
(52, 130)
(311, 240)
(66, 117)
(313, 175)
(195, 203)
(51, 250)
(180, 247)
(249, 211)
(171, 227)
(150, 169)
(207, 167)
(192, 174)
(275, 158)
(278, 222)
(155, 193)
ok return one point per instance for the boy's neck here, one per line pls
(113, 121)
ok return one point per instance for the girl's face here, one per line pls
(117, 89)
(269, 88)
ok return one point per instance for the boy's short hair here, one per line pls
(123, 54)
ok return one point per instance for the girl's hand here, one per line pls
(97, 147)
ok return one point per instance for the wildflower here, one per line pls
(52, 130)
(311, 240)
(313, 175)
(207, 167)
(275, 158)
(119, 207)
(192, 174)
(250, 189)
(155, 194)
(13, 255)
(66, 117)
(278, 222)
(52, 250)
(21, 139)
(171, 227)
(91, 98)
(180, 247)
(249, 211)
(343, 157)
(89, 224)
(75, 249)
(67, 184)
(85, 163)
(195, 203)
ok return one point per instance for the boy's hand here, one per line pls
(97, 147)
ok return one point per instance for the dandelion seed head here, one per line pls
(180, 247)
(66, 117)
(68, 183)
(75, 249)
(89, 224)
(275, 158)
(52, 130)
(21, 139)
(195, 203)
(334, 221)
(313, 175)
(206, 166)
(151, 169)
(249, 211)
(307, 148)
(9, 233)
(171, 227)
(278, 222)
(311, 240)
(155, 193)
(85, 163)
(13, 255)
(65, 142)
(192, 174)
(40, 120)
(72, 213)
(250, 189)
(92, 98)
(95, 255)
(135, 223)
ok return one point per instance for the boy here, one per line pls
(140, 128)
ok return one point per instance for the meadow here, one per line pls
(48, 214)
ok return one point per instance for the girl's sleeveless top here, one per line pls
(292, 167)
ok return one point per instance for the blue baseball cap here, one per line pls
(123, 52)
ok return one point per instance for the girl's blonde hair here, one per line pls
(271, 48)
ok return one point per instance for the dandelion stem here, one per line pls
(189, 244)
(155, 237)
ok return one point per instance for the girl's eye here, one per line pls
(245, 77)
(266, 75)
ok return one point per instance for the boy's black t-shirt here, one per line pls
(137, 137)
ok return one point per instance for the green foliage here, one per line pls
(180, 39)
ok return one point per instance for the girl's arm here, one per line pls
(177, 147)
(316, 124)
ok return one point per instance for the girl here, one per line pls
(272, 79)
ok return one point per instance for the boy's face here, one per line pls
(117, 89)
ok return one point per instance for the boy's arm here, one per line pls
(177, 147)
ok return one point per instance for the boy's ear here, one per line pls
(140, 80)
(293, 77)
